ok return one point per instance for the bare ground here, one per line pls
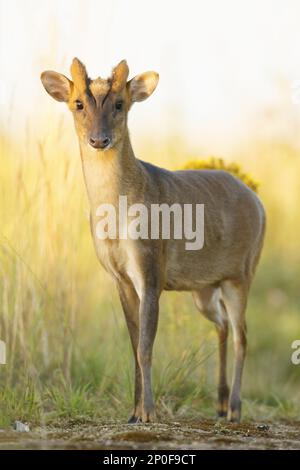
(200, 434)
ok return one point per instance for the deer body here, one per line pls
(238, 222)
(219, 275)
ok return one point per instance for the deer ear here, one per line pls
(142, 86)
(57, 85)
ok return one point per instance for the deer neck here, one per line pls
(110, 173)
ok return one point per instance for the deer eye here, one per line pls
(119, 105)
(79, 104)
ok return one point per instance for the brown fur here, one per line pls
(219, 275)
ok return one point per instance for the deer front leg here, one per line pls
(130, 303)
(148, 325)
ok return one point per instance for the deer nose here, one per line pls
(99, 142)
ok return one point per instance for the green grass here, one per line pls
(88, 372)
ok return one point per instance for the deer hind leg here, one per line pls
(235, 299)
(208, 300)
(130, 303)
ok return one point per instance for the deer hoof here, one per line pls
(134, 420)
(148, 417)
(234, 414)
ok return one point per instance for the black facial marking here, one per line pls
(109, 90)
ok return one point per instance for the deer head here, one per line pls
(100, 107)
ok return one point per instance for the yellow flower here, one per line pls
(214, 163)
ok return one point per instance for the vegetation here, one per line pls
(68, 352)
(214, 163)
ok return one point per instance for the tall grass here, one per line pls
(68, 353)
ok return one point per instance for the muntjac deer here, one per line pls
(219, 275)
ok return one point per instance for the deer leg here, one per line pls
(209, 303)
(223, 390)
(130, 304)
(148, 325)
(235, 299)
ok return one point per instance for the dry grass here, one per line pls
(67, 345)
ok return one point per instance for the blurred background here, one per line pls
(229, 87)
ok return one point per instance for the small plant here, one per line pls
(214, 163)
